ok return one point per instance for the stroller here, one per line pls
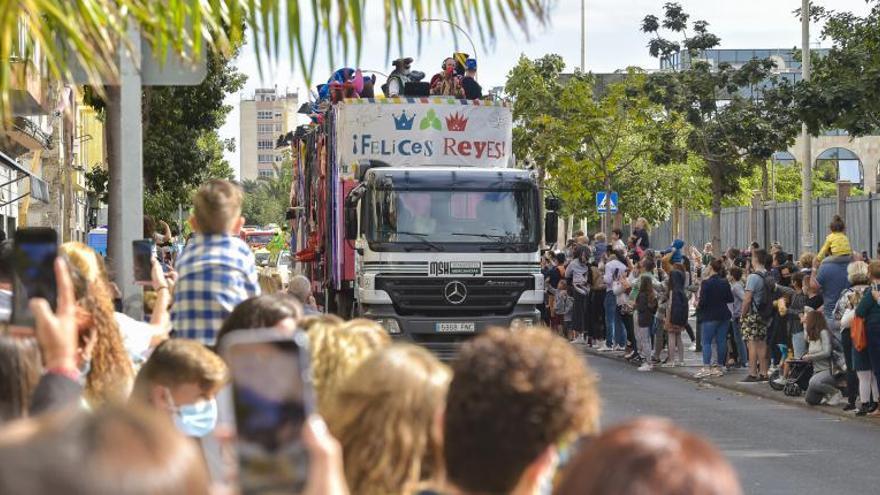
(797, 381)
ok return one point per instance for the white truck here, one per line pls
(445, 237)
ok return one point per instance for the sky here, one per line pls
(613, 41)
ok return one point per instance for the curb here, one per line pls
(753, 390)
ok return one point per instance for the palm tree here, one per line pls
(87, 33)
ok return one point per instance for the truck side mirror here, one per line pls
(351, 222)
(551, 227)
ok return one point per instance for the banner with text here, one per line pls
(424, 131)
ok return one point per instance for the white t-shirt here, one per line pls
(136, 337)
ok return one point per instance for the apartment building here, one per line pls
(263, 118)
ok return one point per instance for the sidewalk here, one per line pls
(730, 381)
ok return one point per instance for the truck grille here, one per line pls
(420, 296)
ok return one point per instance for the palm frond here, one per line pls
(86, 35)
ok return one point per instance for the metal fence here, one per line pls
(780, 223)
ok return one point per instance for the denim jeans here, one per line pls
(742, 353)
(714, 331)
(615, 332)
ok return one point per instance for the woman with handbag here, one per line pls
(576, 276)
(615, 279)
(869, 310)
(860, 382)
(823, 384)
(676, 315)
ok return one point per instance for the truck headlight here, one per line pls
(390, 325)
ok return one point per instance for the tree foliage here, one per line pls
(844, 91)
(88, 31)
(182, 147)
(737, 116)
(266, 199)
(589, 135)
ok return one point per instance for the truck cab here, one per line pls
(446, 252)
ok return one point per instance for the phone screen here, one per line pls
(272, 400)
(143, 258)
(34, 256)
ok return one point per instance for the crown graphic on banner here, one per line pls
(456, 122)
(402, 123)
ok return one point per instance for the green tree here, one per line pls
(589, 137)
(737, 116)
(89, 31)
(844, 91)
(266, 199)
(182, 147)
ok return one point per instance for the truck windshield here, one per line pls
(429, 218)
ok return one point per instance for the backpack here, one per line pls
(765, 308)
(563, 305)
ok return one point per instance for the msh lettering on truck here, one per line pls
(365, 145)
(491, 150)
(441, 268)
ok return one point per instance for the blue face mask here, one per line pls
(197, 419)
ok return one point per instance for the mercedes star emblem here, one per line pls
(455, 292)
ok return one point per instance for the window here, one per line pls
(265, 158)
(265, 174)
(279, 158)
(265, 144)
(728, 56)
(277, 127)
(264, 115)
(265, 128)
(277, 115)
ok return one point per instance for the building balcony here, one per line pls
(29, 90)
(24, 135)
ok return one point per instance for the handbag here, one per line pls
(858, 334)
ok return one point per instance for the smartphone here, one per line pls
(143, 260)
(272, 397)
(33, 260)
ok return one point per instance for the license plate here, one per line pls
(455, 327)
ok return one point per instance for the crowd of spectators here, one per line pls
(809, 326)
(83, 410)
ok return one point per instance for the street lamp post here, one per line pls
(455, 26)
(583, 34)
(807, 159)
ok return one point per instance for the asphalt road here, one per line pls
(776, 448)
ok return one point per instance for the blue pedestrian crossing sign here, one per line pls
(606, 203)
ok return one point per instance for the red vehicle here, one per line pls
(257, 239)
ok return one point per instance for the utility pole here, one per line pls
(583, 35)
(806, 159)
(126, 171)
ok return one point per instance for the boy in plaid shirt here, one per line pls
(216, 270)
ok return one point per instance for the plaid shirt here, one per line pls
(215, 273)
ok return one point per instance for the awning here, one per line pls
(39, 187)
